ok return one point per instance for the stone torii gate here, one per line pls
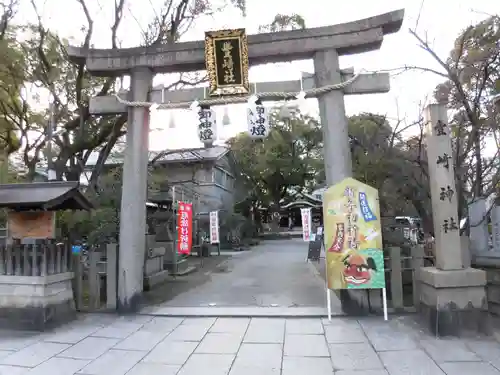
(323, 44)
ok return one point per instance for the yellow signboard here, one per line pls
(353, 239)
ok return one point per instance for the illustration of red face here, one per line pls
(357, 269)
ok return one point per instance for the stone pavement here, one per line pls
(146, 345)
(272, 275)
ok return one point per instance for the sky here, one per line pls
(440, 21)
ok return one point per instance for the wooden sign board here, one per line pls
(314, 251)
(31, 224)
(226, 59)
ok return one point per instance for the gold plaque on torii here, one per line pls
(226, 59)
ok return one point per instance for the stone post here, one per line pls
(443, 189)
(495, 229)
(134, 195)
(453, 297)
(478, 220)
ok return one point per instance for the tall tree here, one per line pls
(385, 159)
(378, 158)
(283, 164)
(77, 133)
(471, 76)
(11, 74)
(47, 69)
(290, 160)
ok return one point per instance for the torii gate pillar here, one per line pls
(134, 194)
(337, 151)
(323, 44)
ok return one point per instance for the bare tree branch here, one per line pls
(8, 11)
(118, 17)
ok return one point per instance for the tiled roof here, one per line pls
(211, 153)
(43, 196)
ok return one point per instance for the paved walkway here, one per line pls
(272, 277)
(146, 345)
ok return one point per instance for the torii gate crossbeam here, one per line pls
(347, 38)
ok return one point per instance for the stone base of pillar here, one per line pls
(493, 290)
(453, 302)
(491, 266)
(36, 303)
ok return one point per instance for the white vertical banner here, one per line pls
(306, 223)
(214, 227)
(207, 126)
(258, 121)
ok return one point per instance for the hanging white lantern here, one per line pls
(252, 101)
(195, 106)
(225, 118)
(171, 123)
(286, 110)
(118, 84)
(207, 126)
(301, 99)
(258, 121)
(153, 107)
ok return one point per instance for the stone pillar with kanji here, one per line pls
(453, 296)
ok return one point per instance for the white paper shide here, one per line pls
(207, 126)
(306, 223)
(214, 227)
(258, 121)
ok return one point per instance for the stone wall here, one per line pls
(493, 289)
(154, 272)
(36, 302)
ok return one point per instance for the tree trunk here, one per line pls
(274, 217)
(256, 217)
(31, 171)
(478, 184)
(4, 168)
(427, 221)
(72, 174)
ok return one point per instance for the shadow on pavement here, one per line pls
(181, 284)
